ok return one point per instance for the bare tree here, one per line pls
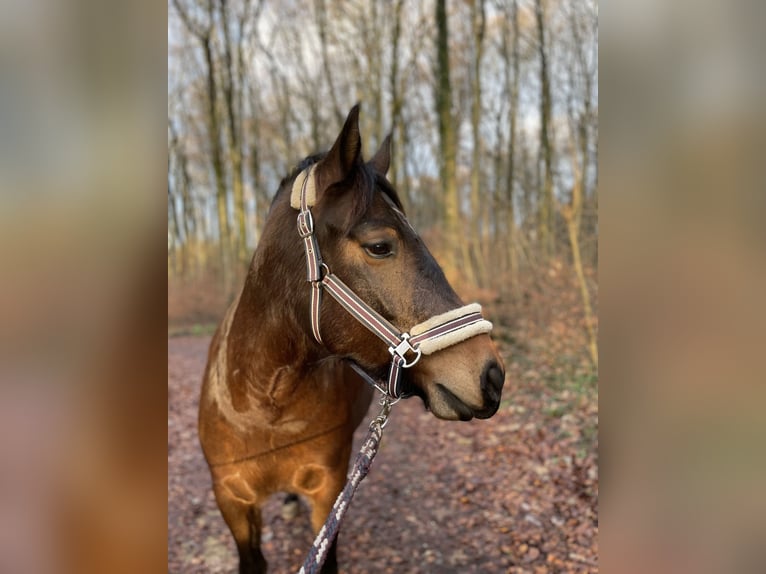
(579, 145)
(182, 181)
(512, 85)
(547, 216)
(447, 140)
(320, 14)
(478, 207)
(203, 33)
(571, 214)
(397, 101)
(258, 85)
(232, 81)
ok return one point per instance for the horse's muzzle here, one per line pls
(491, 381)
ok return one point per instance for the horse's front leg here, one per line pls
(244, 520)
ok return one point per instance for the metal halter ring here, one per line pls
(403, 348)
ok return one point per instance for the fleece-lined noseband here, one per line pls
(432, 335)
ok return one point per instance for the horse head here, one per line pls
(366, 240)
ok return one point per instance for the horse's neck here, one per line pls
(265, 338)
(250, 380)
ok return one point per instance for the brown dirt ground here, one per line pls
(517, 493)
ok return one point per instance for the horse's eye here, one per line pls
(378, 250)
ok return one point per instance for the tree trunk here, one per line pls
(204, 36)
(579, 145)
(217, 155)
(447, 143)
(375, 75)
(184, 223)
(320, 13)
(183, 180)
(547, 215)
(239, 242)
(571, 216)
(478, 208)
(511, 173)
(261, 197)
(396, 101)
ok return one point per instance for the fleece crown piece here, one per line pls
(307, 178)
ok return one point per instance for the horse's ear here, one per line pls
(345, 154)
(381, 161)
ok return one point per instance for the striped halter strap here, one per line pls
(432, 335)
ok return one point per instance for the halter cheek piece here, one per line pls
(406, 349)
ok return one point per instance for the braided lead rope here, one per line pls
(323, 541)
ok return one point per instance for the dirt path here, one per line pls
(516, 493)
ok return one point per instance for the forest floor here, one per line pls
(517, 493)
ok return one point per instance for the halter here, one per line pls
(432, 335)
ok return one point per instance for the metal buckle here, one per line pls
(382, 419)
(403, 348)
(305, 224)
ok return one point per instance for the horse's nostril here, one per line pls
(492, 380)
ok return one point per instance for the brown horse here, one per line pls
(278, 409)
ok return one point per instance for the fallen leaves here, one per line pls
(517, 493)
